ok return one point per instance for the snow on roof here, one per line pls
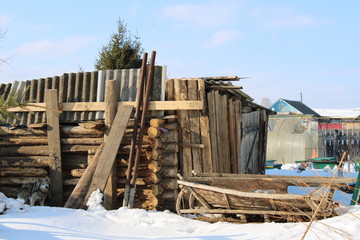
(345, 113)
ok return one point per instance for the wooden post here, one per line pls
(110, 112)
(53, 132)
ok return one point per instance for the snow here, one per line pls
(344, 113)
(21, 221)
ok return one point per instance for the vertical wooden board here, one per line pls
(53, 131)
(218, 115)
(256, 146)
(186, 131)
(205, 140)
(232, 136)
(176, 96)
(100, 90)
(202, 95)
(117, 77)
(110, 194)
(55, 83)
(237, 109)
(110, 150)
(213, 132)
(133, 77)
(124, 90)
(78, 93)
(93, 91)
(24, 117)
(170, 93)
(63, 86)
(245, 144)
(263, 135)
(225, 134)
(48, 84)
(70, 95)
(85, 94)
(39, 98)
(194, 122)
(32, 97)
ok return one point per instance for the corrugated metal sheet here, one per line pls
(83, 87)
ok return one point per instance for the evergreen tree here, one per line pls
(122, 52)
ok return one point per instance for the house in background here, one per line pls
(297, 132)
(284, 106)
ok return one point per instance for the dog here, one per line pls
(34, 192)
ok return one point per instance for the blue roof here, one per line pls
(284, 105)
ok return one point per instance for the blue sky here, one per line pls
(284, 47)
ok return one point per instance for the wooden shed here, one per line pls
(198, 125)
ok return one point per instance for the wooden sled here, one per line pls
(201, 200)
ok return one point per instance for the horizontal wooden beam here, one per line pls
(100, 106)
(311, 181)
(225, 87)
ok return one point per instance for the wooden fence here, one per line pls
(227, 136)
(209, 127)
(82, 87)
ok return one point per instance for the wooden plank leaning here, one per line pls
(77, 197)
(53, 131)
(110, 150)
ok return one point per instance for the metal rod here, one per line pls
(139, 101)
(141, 132)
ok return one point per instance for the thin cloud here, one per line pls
(302, 20)
(284, 17)
(222, 37)
(214, 13)
(52, 49)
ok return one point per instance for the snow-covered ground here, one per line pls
(37, 223)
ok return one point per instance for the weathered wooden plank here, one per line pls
(109, 153)
(194, 122)
(205, 139)
(110, 112)
(32, 97)
(28, 161)
(238, 109)
(224, 134)
(213, 131)
(232, 137)
(53, 129)
(23, 172)
(312, 181)
(93, 87)
(100, 106)
(251, 184)
(170, 94)
(186, 131)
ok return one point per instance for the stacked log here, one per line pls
(165, 153)
(25, 157)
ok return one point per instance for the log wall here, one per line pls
(25, 157)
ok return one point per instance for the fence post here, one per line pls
(110, 112)
(53, 133)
